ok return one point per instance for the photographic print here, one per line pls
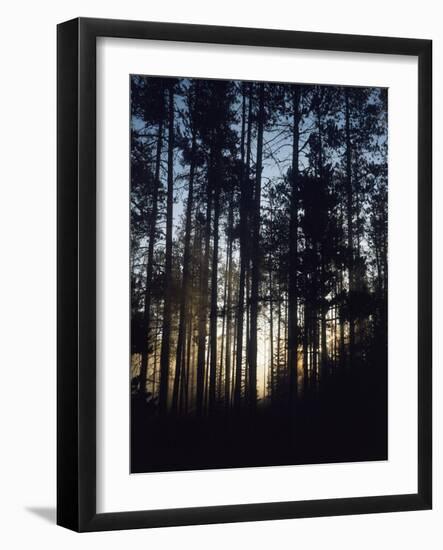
(259, 273)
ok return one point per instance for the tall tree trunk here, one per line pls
(248, 329)
(203, 306)
(184, 294)
(166, 331)
(323, 312)
(224, 308)
(285, 339)
(293, 263)
(229, 302)
(341, 312)
(278, 340)
(150, 257)
(350, 224)
(271, 331)
(244, 183)
(233, 359)
(206, 396)
(315, 349)
(322, 289)
(305, 348)
(191, 393)
(214, 287)
(187, 365)
(154, 374)
(255, 272)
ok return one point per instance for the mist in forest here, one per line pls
(259, 278)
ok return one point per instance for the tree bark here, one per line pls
(293, 263)
(184, 294)
(228, 304)
(150, 257)
(350, 224)
(244, 182)
(166, 332)
(223, 355)
(214, 286)
(203, 306)
(255, 271)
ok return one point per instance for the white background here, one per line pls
(116, 490)
(27, 300)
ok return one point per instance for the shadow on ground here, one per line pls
(45, 513)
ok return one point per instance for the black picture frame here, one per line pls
(76, 266)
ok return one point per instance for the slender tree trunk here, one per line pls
(154, 374)
(229, 303)
(186, 368)
(150, 257)
(189, 366)
(350, 224)
(293, 263)
(341, 313)
(214, 286)
(312, 373)
(278, 373)
(206, 397)
(255, 273)
(166, 331)
(305, 348)
(322, 290)
(248, 330)
(234, 355)
(184, 294)
(285, 339)
(271, 330)
(323, 312)
(244, 182)
(203, 306)
(191, 395)
(222, 343)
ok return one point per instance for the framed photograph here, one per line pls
(244, 274)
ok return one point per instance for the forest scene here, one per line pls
(259, 273)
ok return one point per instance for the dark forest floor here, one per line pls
(343, 421)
